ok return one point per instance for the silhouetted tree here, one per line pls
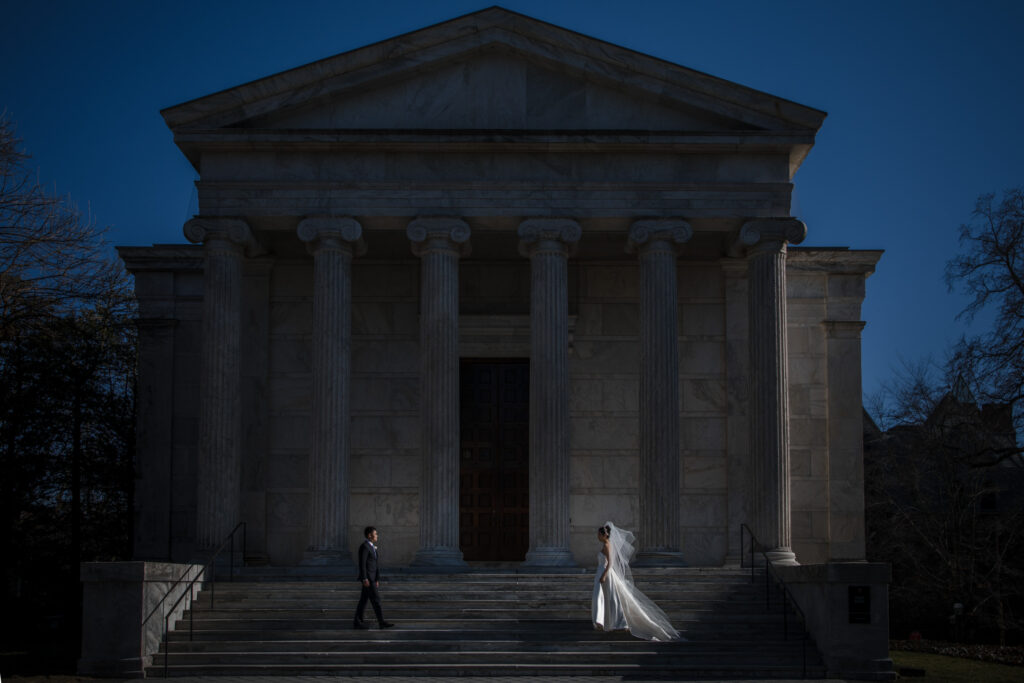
(945, 514)
(990, 269)
(67, 367)
(944, 472)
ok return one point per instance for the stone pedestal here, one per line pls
(124, 613)
(765, 241)
(333, 242)
(657, 244)
(226, 241)
(439, 242)
(547, 242)
(847, 609)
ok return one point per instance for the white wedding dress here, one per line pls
(617, 604)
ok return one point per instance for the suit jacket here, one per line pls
(368, 566)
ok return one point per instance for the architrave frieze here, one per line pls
(472, 199)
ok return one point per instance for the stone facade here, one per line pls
(496, 187)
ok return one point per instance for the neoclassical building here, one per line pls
(485, 286)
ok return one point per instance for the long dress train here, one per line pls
(617, 604)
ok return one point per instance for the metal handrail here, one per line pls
(227, 542)
(787, 595)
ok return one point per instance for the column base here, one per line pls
(438, 556)
(783, 557)
(659, 558)
(341, 559)
(549, 557)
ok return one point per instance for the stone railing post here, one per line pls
(332, 241)
(765, 242)
(656, 242)
(439, 242)
(547, 241)
(226, 241)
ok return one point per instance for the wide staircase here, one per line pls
(485, 624)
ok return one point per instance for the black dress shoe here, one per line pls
(360, 625)
(386, 624)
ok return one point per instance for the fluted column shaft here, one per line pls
(220, 429)
(333, 242)
(547, 243)
(769, 387)
(657, 242)
(439, 242)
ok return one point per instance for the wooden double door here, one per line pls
(494, 475)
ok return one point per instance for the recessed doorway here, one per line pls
(494, 475)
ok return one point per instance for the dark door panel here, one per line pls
(494, 464)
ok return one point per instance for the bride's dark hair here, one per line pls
(605, 530)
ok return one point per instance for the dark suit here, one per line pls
(369, 570)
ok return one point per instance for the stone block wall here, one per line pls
(604, 362)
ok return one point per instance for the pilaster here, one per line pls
(737, 382)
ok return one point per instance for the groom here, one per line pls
(369, 576)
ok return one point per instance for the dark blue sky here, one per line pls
(925, 103)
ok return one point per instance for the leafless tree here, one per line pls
(52, 258)
(990, 269)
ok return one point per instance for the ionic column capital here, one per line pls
(558, 234)
(769, 234)
(332, 232)
(658, 233)
(439, 232)
(233, 233)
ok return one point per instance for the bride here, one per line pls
(618, 604)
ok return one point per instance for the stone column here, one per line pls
(765, 241)
(657, 244)
(439, 242)
(333, 241)
(220, 397)
(547, 241)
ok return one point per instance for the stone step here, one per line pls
(475, 593)
(512, 606)
(597, 643)
(734, 633)
(419, 658)
(470, 624)
(468, 580)
(627, 671)
(720, 623)
(572, 604)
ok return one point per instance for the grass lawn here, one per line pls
(943, 669)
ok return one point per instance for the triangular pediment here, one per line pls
(494, 89)
(494, 70)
